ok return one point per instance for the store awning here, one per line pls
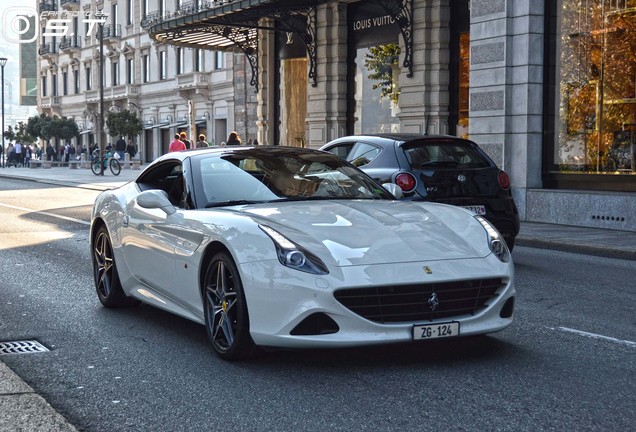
(174, 125)
(84, 132)
(155, 126)
(235, 23)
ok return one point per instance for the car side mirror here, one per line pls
(393, 189)
(156, 199)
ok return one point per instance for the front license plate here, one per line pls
(477, 209)
(436, 331)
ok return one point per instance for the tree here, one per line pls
(124, 123)
(9, 134)
(34, 126)
(46, 127)
(22, 135)
(67, 128)
(381, 60)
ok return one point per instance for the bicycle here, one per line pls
(108, 162)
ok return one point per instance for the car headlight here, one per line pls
(495, 241)
(293, 256)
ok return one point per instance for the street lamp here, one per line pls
(3, 61)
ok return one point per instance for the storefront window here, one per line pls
(376, 89)
(593, 116)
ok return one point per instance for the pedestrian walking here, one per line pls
(50, 152)
(18, 154)
(130, 149)
(28, 155)
(120, 148)
(202, 143)
(233, 139)
(11, 155)
(176, 144)
(184, 138)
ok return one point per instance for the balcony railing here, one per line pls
(187, 8)
(69, 4)
(150, 19)
(111, 31)
(70, 42)
(49, 101)
(192, 80)
(48, 5)
(46, 49)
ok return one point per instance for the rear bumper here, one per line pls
(501, 212)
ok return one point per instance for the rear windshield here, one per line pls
(431, 154)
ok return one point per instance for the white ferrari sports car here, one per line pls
(288, 247)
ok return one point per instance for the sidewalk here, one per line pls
(22, 409)
(64, 176)
(591, 241)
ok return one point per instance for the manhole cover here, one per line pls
(22, 347)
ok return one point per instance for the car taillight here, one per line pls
(406, 181)
(504, 180)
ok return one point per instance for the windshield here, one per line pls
(257, 176)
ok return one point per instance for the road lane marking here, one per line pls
(597, 336)
(66, 218)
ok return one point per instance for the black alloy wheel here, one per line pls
(226, 316)
(107, 283)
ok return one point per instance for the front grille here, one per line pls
(414, 303)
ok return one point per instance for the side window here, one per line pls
(341, 150)
(169, 178)
(363, 154)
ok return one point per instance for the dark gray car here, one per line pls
(436, 168)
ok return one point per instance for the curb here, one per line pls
(22, 409)
(67, 183)
(586, 249)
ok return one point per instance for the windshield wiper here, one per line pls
(233, 203)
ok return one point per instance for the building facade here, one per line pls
(547, 88)
(171, 89)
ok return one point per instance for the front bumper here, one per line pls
(279, 298)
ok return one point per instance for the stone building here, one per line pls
(547, 88)
(159, 82)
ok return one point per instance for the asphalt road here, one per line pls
(143, 369)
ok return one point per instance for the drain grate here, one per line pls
(22, 347)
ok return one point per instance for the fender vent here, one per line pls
(22, 347)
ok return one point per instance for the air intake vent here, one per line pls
(22, 347)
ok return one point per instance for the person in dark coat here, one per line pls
(50, 152)
(120, 148)
(233, 139)
(130, 149)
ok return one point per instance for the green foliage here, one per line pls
(124, 123)
(381, 61)
(22, 135)
(9, 134)
(34, 125)
(46, 127)
(67, 128)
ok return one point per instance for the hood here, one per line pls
(365, 232)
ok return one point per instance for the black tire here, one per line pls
(115, 166)
(107, 284)
(226, 317)
(95, 166)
